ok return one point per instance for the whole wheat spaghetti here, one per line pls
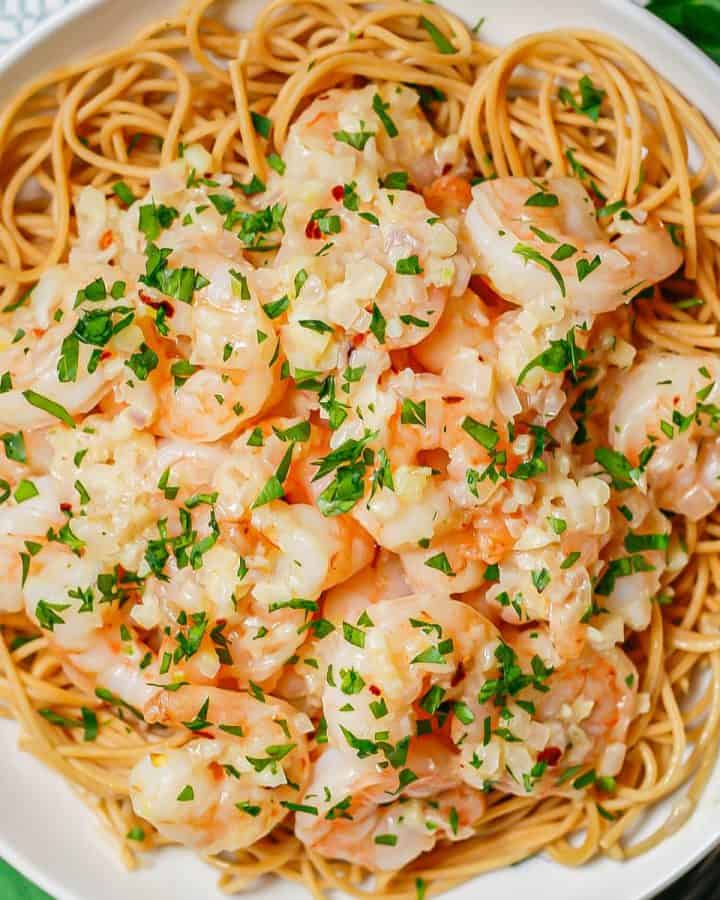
(191, 80)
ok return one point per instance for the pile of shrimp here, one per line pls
(354, 475)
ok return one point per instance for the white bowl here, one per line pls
(45, 831)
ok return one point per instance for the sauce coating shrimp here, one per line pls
(354, 817)
(575, 715)
(33, 366)
(231, 347)
(390, 265)
(230, 786)
(500, 223)
(667, 403)
(398, 660)
(307, 555)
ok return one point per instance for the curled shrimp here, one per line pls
(231, 784)
(352, 814)
(210, 405)
(510, 236)
(33, 366)
(532, 721)
(94, 640)
(313, 152)
(306, 555)
(397, 662)
(666, 405)
(390, 266)
(438, 437)
(546, 572)
(231, 345)
(465, 323)
(302, 681)
(638, 557)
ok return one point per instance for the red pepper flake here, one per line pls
(66, 507)
(217, 771)
(338, 192)
(550, 755)
(312, 230)
(374, 689)
(458, 675)
(158, 304)
(106, 239)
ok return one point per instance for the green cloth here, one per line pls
(14, 887)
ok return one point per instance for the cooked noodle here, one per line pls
(123, 113)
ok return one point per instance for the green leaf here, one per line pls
(380, 109)
(485, 435)
(14, 446)
(397, 181)
(586, 267)
(698, 20)
(261, 124)
(276, 163)
(543, 199)
(153, 219)
(413, 413)
(49, 406)
(438, 38)
(441, 563)
(591, 98)
(618, 466)
(355, 139)
(186, 794)
(123, 193)
(408, 266)
(143, 362)
(378, 324)
(530, 253)
(273, 489)
(276, 307)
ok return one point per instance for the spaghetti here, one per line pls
(123, 114)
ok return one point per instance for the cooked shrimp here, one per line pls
(438, 438)
(636, 560)
(33, 366)
(313, 150)
(383, 579)
(211, 405)
(544, 721)
(597, 276)
(666, 405)
(304, 555)
(464, 324)
(232, 344)
(388, 661)
(389, 265)
(11, 564)
(354, 817)
(303, 680)
(546, 572)
(89, 630)
(231, 785)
